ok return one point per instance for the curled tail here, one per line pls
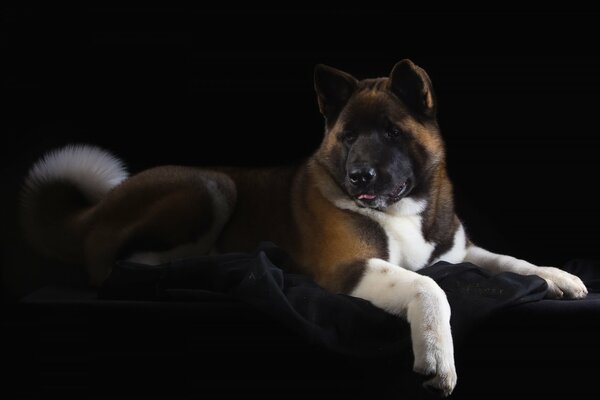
(59, 194)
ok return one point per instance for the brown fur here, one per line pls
(371, 97)
(439, 221)
(262, 210)
(165, 207)
(157, 209)
(284, 205)
(332, 240)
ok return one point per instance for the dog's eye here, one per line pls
(349, 137)
(392, 133)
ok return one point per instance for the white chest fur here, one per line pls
(407, 247)
(402, 224)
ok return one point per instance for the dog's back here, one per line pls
(91, 213)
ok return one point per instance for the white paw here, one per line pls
(432, 339)
(561, 283)
(437, 361)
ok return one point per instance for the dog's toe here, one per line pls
(554, 291)
(442, 383)
(438, 366)
(562, 284)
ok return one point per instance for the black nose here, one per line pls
(361, 176)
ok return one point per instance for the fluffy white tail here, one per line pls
(92, 170)
(59, 188)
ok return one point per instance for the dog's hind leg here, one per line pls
(157, 216)
(219, 207)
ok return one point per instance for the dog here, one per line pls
(370, 207)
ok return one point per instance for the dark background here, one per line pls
(518, 106)
(517, 95)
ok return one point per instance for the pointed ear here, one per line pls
(412, 84)
(334, 88)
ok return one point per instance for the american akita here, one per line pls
(370, 207)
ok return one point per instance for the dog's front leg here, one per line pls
(423, 303)
(560, 283)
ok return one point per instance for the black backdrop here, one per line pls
(517, 91)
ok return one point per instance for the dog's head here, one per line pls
(382, 140)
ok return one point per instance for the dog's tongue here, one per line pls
(366, 196)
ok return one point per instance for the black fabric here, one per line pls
(236, 326)
(344, 324)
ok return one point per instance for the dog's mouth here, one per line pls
(400, 191)
(373, 200)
